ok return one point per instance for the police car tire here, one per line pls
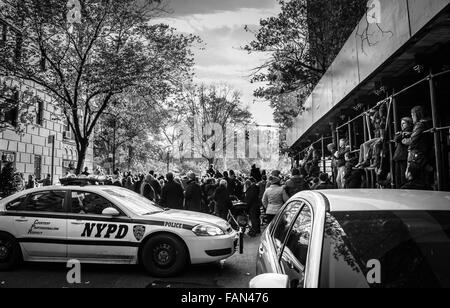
(152, 267)
(16, 254)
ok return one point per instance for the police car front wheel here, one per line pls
(164, 256)
(10, 253)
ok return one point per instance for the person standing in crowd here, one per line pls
(129, 183)
(273, 198)
(138, 183)
(47, 181)
(155, 185)
(31, 182)
(238, 189)
(352, 176)
(340, 162)
(172, 195)
(420, 145)
(193, 194)
(256, 173)
(222, 200)
(401, 152)
(332, 149)
(324, 182)
(147, 189)
(208, 191)
(295, 184)
(211, 172)
(254, 206)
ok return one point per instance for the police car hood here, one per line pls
(193, 218)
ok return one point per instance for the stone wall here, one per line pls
(34, 141)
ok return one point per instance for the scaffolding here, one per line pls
(392, 118)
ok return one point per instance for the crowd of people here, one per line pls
(214, 192)
(412, 158)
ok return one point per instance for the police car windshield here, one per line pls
(134, 202)
(404, 249)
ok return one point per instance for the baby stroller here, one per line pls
(238, 218)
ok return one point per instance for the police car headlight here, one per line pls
(207, 230)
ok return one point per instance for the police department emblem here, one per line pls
(139, 232)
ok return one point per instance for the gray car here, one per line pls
(357, 239)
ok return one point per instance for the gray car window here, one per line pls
(284, 223)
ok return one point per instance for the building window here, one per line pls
(38, 166)
(10, 114)
(40, 112)
(19, 44)
(8, 157)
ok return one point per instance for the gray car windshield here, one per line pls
(404, 249)
(133, 201)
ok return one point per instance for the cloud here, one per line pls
(190, 7)
(220, 24)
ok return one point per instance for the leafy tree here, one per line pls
(302, 41)
(87, 66)
(218, 104)
(7, 180)
(124, 127)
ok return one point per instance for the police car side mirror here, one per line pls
(270, 281)
(110, 212)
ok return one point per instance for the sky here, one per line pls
(220, 24)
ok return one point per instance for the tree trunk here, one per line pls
(82, 156)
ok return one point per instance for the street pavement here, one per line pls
(235, 272)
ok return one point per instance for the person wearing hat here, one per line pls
(193, 194)
(273, 198)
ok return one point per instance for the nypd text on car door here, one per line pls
(92, 234)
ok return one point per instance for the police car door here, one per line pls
(40, 223)
(93, 236)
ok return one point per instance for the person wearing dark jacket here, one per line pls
(222, 199)
(138, 183)
(256, 173)
(208, 193)
(401, 152)
(193, 195)
(172, 195)
(211, 172)
(254, 206)
(352, 176)
(420, 145)
(147, 189)
(324, 182)
(155, 185)
(231, 182)
(295, 184)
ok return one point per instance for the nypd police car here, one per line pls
(112, 225)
